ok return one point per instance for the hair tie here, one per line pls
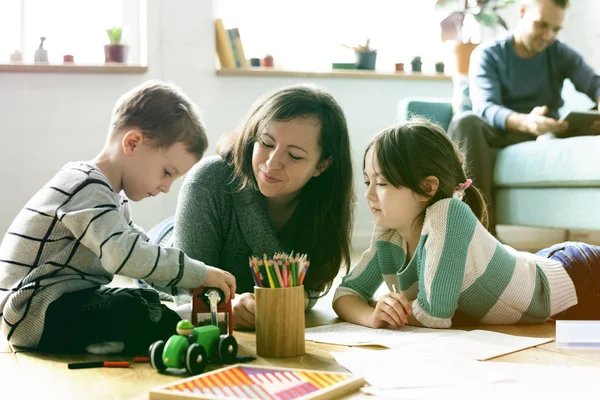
(459, 191)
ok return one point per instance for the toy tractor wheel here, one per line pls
(196, 359)
(227, 349)
(155, 353)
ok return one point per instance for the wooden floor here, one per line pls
(33, 375)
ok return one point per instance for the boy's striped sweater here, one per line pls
(74, 234)
(459, 266)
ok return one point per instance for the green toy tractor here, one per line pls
(193, 347)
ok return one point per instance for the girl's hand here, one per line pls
(391, 310)
(243, 311)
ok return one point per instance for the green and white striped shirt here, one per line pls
(459, 266)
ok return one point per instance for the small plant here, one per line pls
(485, 13)
(268, 61)
(416, 64)
(439, 66)
(115, 51)
(114, 34)
(360, 48)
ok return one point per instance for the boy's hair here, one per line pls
(163, 113)
(329, 198)
(558, 3)
(409, 152)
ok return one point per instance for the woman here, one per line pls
(283, 183)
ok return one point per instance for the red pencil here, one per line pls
(99, 364)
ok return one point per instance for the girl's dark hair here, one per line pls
(409, 152)
(327, 201)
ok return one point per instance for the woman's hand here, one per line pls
(392, 310)
(243, 311)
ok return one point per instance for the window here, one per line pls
(309, 34)
(76, 27)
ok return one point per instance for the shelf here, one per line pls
(342, 73)
(75, 68)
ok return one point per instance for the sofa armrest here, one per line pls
(436, 110)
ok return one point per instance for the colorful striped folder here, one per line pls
(243, 381)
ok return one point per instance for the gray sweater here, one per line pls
(222, 226)
(75, 234)
(501, 82)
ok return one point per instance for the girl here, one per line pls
(431, 242)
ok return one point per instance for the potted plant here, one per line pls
(416, 64)
(268, 61)
(485, 12)
(439, 67)
(115, 51)
(366, 56)
(17, 56)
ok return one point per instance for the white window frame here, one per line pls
(135, 16)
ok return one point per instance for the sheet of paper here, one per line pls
(395, 368)
(478, 344)
(524, 381)
(348, 334)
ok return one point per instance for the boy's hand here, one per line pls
(223, 280)
(392, 310)
(243, 311)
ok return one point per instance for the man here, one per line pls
(515, 88)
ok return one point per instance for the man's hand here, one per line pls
(536, 122)
(223, 280)
(243, 311)
(392, 309)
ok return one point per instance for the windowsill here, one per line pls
(341, 73)
(76, 68)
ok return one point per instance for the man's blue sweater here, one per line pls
(501, 82)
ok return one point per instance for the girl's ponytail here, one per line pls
(474, 199)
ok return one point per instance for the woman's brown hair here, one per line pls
(327, 200)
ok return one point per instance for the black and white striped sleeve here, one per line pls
(92, 213)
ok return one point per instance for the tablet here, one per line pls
(580, 121)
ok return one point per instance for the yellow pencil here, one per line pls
(271, 283)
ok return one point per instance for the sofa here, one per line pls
(553, 183)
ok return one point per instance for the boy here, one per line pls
(76, 233)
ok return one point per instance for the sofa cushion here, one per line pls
(438, 111)
(566, 208)
(573, 162)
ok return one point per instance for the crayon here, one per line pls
(99, 364)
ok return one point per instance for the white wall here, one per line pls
(582, 30)
(49, 119)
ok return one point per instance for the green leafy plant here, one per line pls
(485, 13)
(114, 34)
(360, 48)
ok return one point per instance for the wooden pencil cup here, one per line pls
(279, 317)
